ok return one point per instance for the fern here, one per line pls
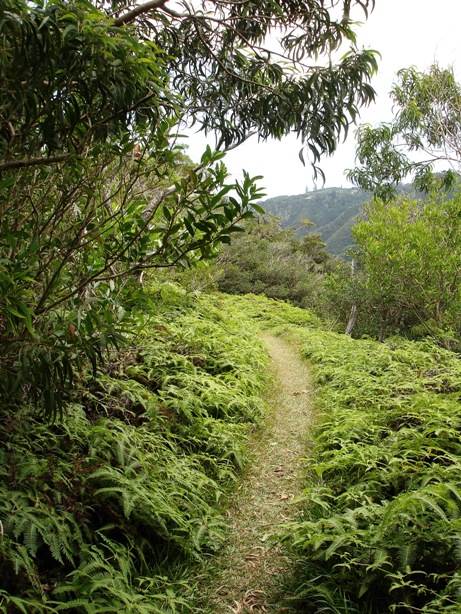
(139, 468)
(407, 555)
(381, 518)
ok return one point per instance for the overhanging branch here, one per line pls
(138, 10)
(33, 162)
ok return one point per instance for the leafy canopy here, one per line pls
(427, 122)
(94, 189)
(76, 72)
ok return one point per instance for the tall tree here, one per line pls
(427, 121)
(94, 188)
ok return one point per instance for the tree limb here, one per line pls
(138, 10)
(33, 162)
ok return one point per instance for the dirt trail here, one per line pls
(252, 570)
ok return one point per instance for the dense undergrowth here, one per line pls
(380, 530)
(382, 525)
(104, 510)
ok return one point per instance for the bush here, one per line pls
(271, 261)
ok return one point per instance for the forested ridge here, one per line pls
(332, 210)
(142, 294)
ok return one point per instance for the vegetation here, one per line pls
(268, 260)
(379, 530)
(101, 511)
(333, 211)
(410, 256)
(427, 121)
(126, 399)
(381, 524)
(106, 508)
(404, 277)
(83, 211)
(94, 189)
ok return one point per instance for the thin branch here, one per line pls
(234, 145)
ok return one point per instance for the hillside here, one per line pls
(236, 456)
(333, 210)
(380, 520)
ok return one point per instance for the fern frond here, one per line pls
(407, 555)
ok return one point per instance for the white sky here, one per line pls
(406, 33)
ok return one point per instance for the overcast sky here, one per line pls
(406, 33)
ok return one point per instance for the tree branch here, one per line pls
(33, 162)
(138, 10)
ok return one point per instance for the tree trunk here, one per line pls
(352, 320)
(353, 314)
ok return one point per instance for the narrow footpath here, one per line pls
(253, 571)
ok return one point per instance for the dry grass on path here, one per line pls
(252, 569)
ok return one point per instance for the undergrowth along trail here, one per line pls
(106, 509)
(380, 524)
(253, 570)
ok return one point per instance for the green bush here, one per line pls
(410, 255)
(268, 260)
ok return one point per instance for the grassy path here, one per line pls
(252, 571)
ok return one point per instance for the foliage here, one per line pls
(73, 83)
(235, 83)
(410, 254)
(380, 527)
(83, 213)
(342, 289)
(68, 275)
(267, 313)
(427, 121)
(94, 188)
(347, 290)
(333, 211)
(128, 51)
(268, 260)
(103, 510)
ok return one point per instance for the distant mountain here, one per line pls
(333, 210)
